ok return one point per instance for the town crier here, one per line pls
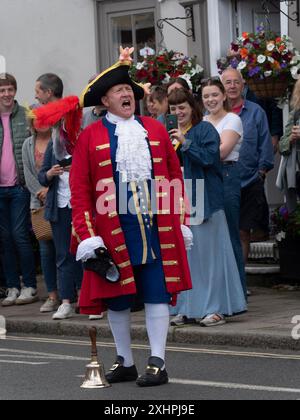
(121, 170)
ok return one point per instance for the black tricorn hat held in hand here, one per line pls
(103, 265)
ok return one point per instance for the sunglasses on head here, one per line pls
(210, 79)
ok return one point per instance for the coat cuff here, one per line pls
(86, 249)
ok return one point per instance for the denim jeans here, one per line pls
(48, 263)
(232, 193)
(14, 231)
(2, 278)
(69, 271)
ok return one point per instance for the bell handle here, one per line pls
(93, 337)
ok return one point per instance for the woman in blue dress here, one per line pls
(217, 291)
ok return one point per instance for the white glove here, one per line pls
(86, 249)
(188, 237)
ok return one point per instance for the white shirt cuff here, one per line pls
(188, 237)
(86, 249)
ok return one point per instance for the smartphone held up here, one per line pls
(171, 122)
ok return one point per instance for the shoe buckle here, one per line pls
(114, 367)
(153, 370)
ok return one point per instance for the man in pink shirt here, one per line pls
(14, 199)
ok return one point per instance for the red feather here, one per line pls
(73, 124)
(68, 109)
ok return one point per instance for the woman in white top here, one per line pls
(230, 128)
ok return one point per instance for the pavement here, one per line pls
(267, 324)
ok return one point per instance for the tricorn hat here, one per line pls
(103, 265)
(116, 75)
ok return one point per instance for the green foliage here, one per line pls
(286, 225)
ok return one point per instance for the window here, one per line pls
(126, 23)
(136, 30)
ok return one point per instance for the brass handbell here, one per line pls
(95, 376)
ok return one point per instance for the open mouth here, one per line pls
(126, 104)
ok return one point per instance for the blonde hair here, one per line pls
(295, 102)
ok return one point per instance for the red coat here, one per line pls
(92, 172)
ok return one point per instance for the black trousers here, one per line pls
(2, 279)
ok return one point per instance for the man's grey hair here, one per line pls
(51, 81)
(234, 70)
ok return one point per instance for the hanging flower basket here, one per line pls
(268, 88)
(168, 65)
(268, 63)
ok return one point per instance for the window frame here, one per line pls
(108, 10)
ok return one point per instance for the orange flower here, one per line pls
(245, 34)
(244, 52)
(277, 65)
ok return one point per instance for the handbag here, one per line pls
(41, 227)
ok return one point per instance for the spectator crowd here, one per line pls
(225, 137)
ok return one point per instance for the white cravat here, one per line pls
(133, 154)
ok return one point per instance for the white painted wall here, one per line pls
(214, 34)
(39, 36)
(220, 30)
(174, 40)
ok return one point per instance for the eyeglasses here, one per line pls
(233, 82)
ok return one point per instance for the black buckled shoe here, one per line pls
(119, 373)
(154, 374)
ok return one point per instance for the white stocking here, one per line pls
(157, 323)
(120, 327)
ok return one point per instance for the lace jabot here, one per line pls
(133, 154)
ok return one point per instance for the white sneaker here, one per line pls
(28, 295)
(95, 317)
(179, 320)
(49, 306)
(12, 295)
(65, 311)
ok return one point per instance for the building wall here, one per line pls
(294, 30)
(251, 15)
(60, 36)
(174, 40)
(220, 30)
(39, 36)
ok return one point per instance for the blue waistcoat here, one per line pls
(139, 226)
